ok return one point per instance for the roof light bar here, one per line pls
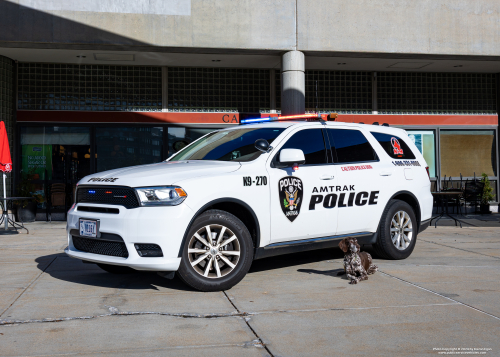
(300, 116)
(282, 118)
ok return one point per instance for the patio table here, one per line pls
(442, 198)
(5, 204)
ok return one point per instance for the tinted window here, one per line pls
(394, 146)
(128, 146)
(228, 145)
(351, 145)
(310, 141)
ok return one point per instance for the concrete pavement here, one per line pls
(444, 296)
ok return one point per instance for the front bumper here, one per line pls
(164, 226)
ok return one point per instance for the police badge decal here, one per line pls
(290, 195)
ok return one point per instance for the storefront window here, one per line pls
(425, 143)
(179, 137)
(130, 146)
(468, 152)
(55, 155)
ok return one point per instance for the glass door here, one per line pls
(55, 159)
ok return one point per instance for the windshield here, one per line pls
(228, 145)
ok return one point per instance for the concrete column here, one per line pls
(293, 83)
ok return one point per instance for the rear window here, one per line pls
(350, 146)
(394, 146)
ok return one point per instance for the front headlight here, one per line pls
(161, 196)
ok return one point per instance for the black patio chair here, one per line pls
(451, 201)
(472, 194)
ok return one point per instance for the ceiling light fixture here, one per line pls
(215, 60)
(341, 63)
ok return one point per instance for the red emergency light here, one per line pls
(314, 116)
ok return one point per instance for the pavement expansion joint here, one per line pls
(465, 250)
(257, 342)
(255, 313)
(442, 295)
(113, 311)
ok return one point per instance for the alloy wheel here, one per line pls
(401, 230)
(214, 251)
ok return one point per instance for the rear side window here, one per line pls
(394, 146)
(310, 141)
(350, 146)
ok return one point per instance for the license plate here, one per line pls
(88, 228)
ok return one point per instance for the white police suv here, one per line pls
(250, 192)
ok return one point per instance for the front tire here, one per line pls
(397, 231)
(217, 253)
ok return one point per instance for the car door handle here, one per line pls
(326, 177)
(385, 173)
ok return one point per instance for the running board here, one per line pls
(304, 245)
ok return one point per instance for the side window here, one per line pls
(350, 146)
(311, 142)
(394, 146)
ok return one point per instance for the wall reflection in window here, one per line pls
(179, 137)
(129, 146)
(468, 152)
(425, 143)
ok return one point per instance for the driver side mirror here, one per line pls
(263, 145)
(289, 157)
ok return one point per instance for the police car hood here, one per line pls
(163, 173)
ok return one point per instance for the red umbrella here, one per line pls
(5, 160)
(5, 163)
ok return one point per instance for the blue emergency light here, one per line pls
(288, 117)
(255, 120)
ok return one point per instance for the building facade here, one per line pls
(91, 86)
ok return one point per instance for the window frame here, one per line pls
(335, 157)
(274, 160)
(468, 129)
(437, 159)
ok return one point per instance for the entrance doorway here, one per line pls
(56, 158)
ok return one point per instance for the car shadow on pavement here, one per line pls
(288, 260)
(64, 268)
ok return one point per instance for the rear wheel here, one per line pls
(217, 253)
(397, 231)
(116, 269)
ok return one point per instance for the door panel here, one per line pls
(295, 214)
(364, 182)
